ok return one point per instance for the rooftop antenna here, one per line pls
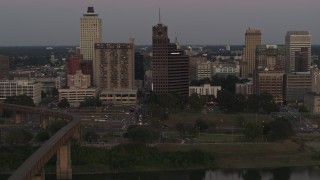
(159, 16)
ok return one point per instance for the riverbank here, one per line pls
(298, 151)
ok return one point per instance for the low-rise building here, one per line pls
(205, 89)
(76, 96)
(244, 88)
(125, 97)
(19, 87)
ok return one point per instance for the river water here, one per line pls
(296, 173)
(290, 173)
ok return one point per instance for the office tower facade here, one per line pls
(193, 63)
(90, 33)
(302, 60)
(252, 39)
(139, 66)
(73, 65)
(4, 67)
(295, 40)
(296, 85)
(271, 57)
(270, 82)
(114, 66)
(170, 64)
(78, 80)
(204, 70)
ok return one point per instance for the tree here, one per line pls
(280, 128)
(64, 103)
(195, 102)
(22, 100)
(91, 102)
(91, 137)
(56, 126)
(42, 136)
(18, 136)
(141, 134)
(252, 131)
(202, 125)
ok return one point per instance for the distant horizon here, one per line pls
(38, 22)
(144, 45)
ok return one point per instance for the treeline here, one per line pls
(11, 157)
(140, 156)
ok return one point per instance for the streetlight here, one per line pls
(262, 131)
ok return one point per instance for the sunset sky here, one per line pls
(216, 22)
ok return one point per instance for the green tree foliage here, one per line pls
(195, 102)
(11, 157)
(256, 103)
(161, 105)
(64, 103)
(91, 137)
(18, 136)
(252, 131)
(202, 125)
(42, 136)
(231, 102)
(56, 126)
(262, 103)
(22, 100)
(280, 128)
(141, 134)
(91, 102)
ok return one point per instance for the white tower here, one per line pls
(90, 33)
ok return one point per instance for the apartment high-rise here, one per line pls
(170, 64)
(4, 67)
(252, 39)
(114, 66)
(90, 33)
(295, 40)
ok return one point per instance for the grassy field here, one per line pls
(217, 119)
(253, 155)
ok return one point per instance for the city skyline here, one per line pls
(35, 22)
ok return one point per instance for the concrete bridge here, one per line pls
(59, 143)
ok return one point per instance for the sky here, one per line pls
(198, 22)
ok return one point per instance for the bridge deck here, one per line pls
(38, 159)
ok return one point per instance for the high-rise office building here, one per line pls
(270, 57)
(302, 60)
(73, 65)
(114, 66)
(4, 67)
(90, 33)
(295, 40)
(170, 64)
(252, 39)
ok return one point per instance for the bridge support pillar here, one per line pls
(64, 170)
(40, 176)
(44, 121)
(18, 117)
